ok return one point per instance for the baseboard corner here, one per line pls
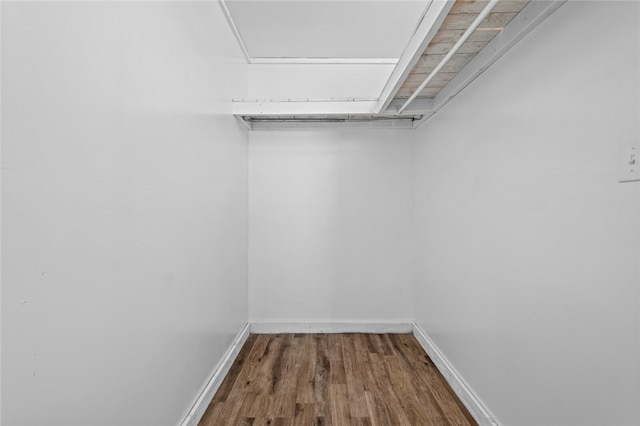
(479, 412)
(217, 376)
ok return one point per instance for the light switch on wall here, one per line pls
(629, 160)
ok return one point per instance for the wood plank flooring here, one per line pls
(334, 379)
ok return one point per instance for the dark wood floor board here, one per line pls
(234, 372)
(338, 404)
(256, 377)
(429, 380)
(211, 414)
(226, 412)
(387, 394)
(377, 410)
(305, 348)
(369, 382)
(421, 410)
(354, 377)
(248, 408)
(334, 347)
(334, 379)
(321, 379)
(423, 383)
(379, 344)
(304, 414)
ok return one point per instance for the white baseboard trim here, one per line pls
(330, 327)
(468, 398)
(217, 376)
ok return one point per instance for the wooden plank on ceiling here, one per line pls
(428, 63)
(433, 17)
(420, 77)
(475, 6)
(530, 17)
(443, 48)
(454, 26)
(452, 36)
(462, 21)
(413, 85)
(427, 93)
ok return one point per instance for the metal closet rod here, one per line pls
(488, 8)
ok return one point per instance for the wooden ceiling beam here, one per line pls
(433, 17)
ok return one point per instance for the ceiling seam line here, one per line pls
(235, 30)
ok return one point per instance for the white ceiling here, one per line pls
(325, 28)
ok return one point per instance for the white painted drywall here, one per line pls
(317, 81)
(528, 247)
(330, 225)
(326, 29)
(124, 196)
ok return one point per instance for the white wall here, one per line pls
(330, 225)
(317, 81)
(124, 195)
(529, 248)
